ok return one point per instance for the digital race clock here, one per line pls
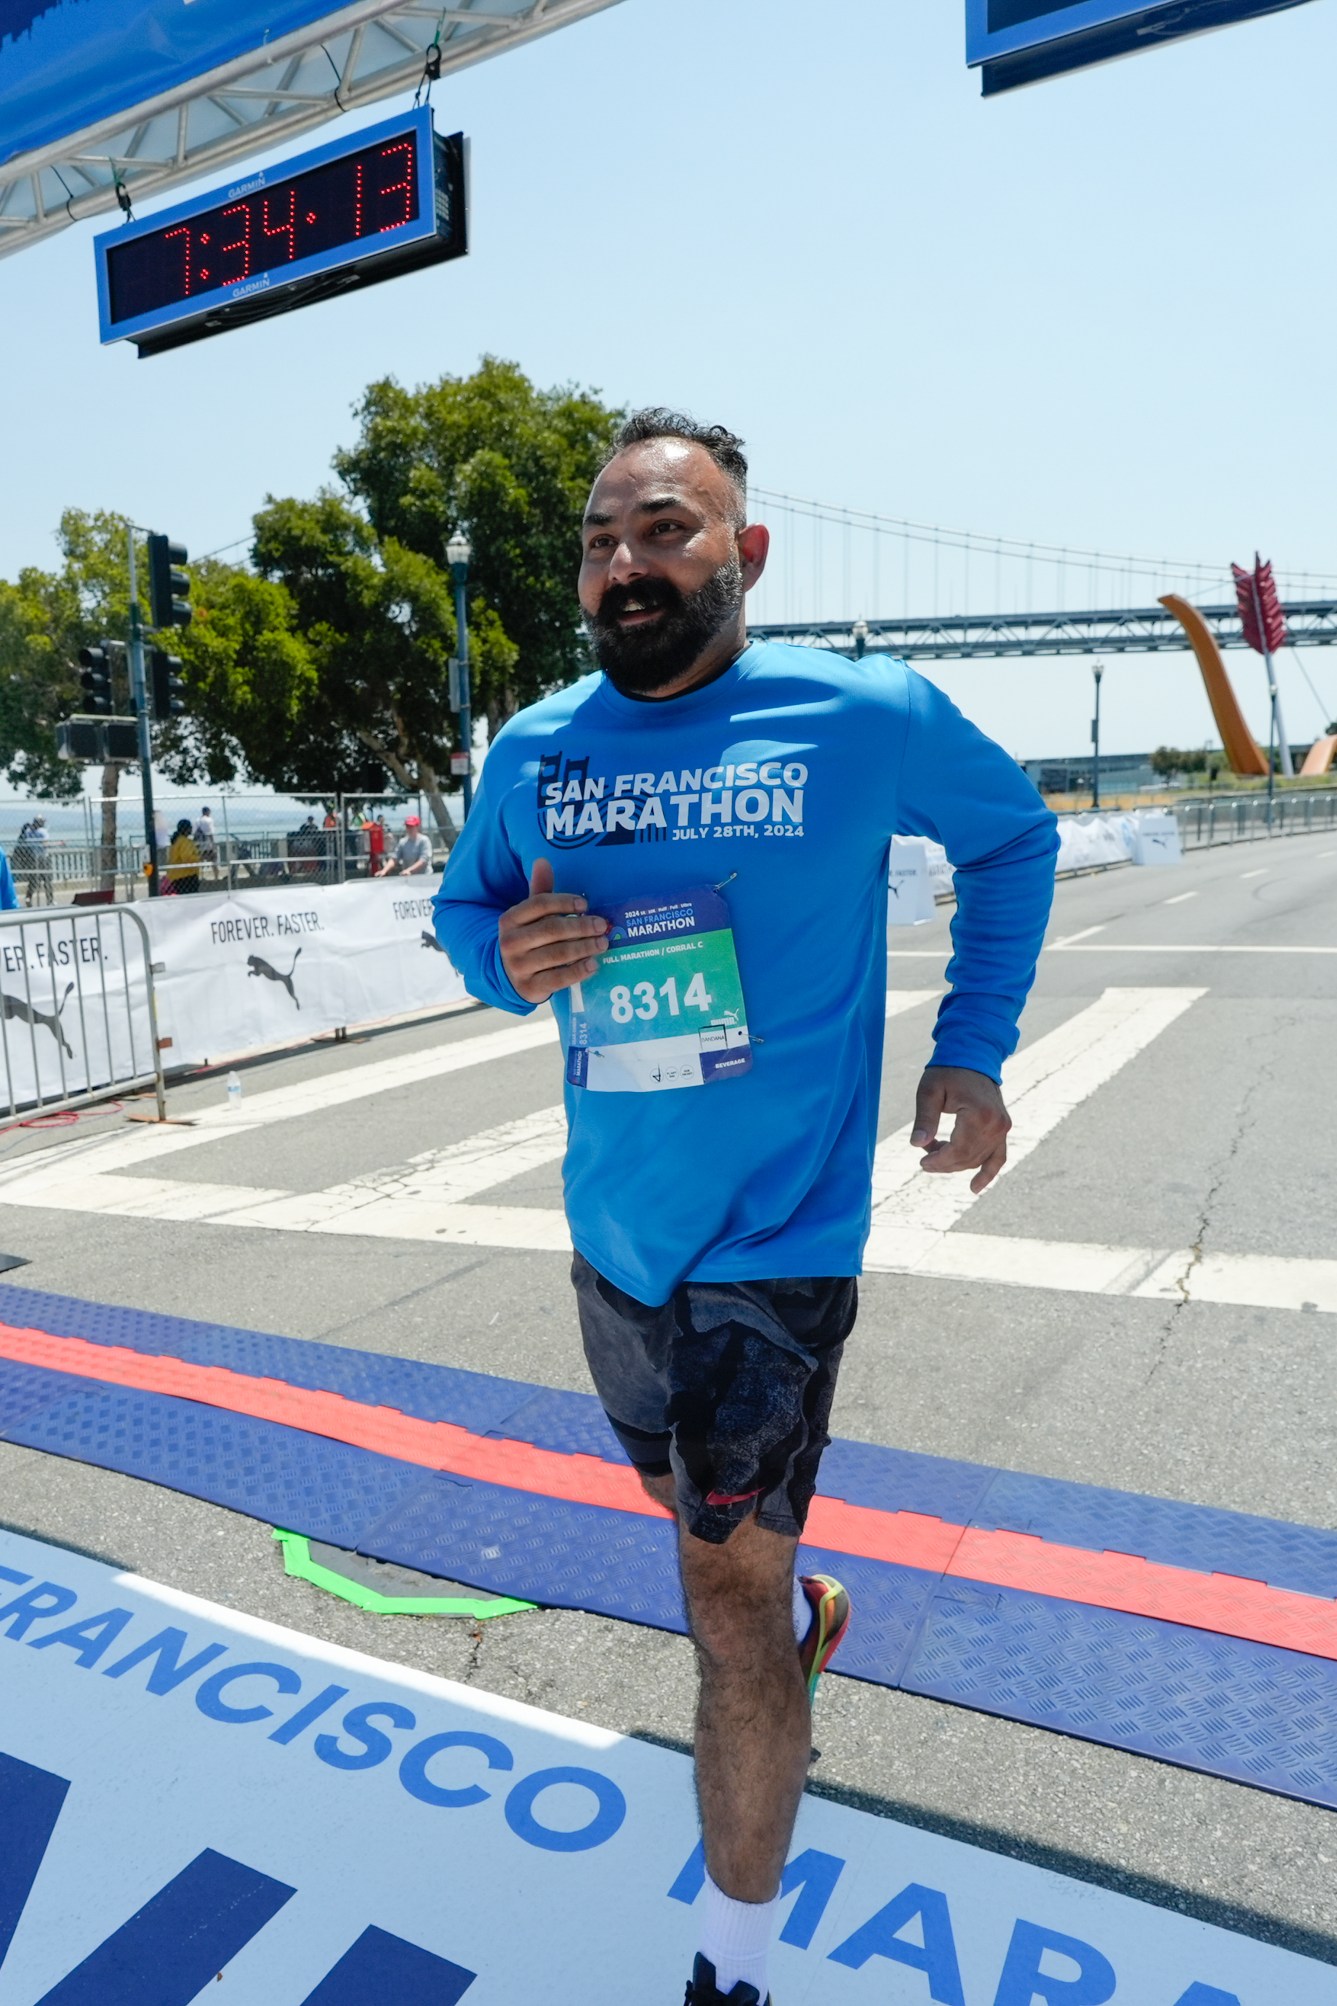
(385, 200)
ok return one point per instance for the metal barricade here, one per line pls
(1252, 818)
(78, 1015)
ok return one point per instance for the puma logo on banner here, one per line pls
(257, 965)
(20, 1007)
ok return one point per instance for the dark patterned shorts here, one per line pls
(728, 1386)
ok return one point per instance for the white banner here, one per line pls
(245, 969)
(1085, 842)
(909, 881)
(1155, 837)
(189, 1796)
(73, 1003)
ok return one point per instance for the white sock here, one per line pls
(802, 1612)
(736, 1937)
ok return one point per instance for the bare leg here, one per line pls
(753, 1723)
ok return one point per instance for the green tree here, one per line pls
(375, 622)
(250, 681)
(1170, 761)
(512, 465)
(45, 618)
(38, 687)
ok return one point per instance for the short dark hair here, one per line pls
(656, 421)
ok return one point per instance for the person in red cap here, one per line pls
(413, 852)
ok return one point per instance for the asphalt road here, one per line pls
(1216, 1137)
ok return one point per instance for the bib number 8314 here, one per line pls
(643, 999)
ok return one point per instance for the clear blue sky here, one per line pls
(1098, 312)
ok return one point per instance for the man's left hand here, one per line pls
(978, 1140)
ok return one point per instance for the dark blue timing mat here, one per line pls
(1253, 1712)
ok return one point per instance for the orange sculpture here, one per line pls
(1241, 748)
(1320, 758)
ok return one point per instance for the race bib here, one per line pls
(665, 1008)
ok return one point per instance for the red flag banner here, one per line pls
(1261, 613)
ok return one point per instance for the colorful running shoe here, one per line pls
(830, 1607)
(703, 1991)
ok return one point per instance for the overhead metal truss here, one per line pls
(352, 57)
(1147, 630)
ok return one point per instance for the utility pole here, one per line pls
(140, 698)
(458, 553)
(1097, 671)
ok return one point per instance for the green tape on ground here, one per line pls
(298, 1562)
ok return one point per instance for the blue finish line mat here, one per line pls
(1201, 1637)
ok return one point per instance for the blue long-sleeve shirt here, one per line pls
(9, 898)
(788, 776)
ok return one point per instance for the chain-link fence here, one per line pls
(255, 841)
(236, 841)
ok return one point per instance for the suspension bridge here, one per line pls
(1067, 600)
(1144, 630)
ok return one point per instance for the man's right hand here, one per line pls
(550, 939)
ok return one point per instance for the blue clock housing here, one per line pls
(379, 202)
(1018, 42)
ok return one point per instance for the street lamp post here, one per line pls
(458, 553)
(1097, 671)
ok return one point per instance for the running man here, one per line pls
(687, 853)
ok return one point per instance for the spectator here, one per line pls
(183, 859)
(206, 839)
(375, 845)
(38, 859)
(23, 850)
(9, 894)
(413, 852)
(304, 849)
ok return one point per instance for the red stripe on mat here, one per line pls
(1218, 1602)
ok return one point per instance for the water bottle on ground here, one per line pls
(233, 1091)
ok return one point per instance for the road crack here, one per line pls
(1260, 1083)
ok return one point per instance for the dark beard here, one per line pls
(647, 659)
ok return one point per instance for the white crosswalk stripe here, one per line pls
(913, 1210)
(447, 1196)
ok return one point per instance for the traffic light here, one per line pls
(96, 678)
(121, 740)
(166, 688)
(168, 586)
(82, 740)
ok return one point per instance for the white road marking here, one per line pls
(1085, 934)
(1261, 872)
(415, 1200)
(899, 1000)
(410, 1200)
(1179, 898)
(1174, 1275)
(913, 1209)
(916, 1216)
(144, 1144)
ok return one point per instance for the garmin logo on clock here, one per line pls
(736, 798)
